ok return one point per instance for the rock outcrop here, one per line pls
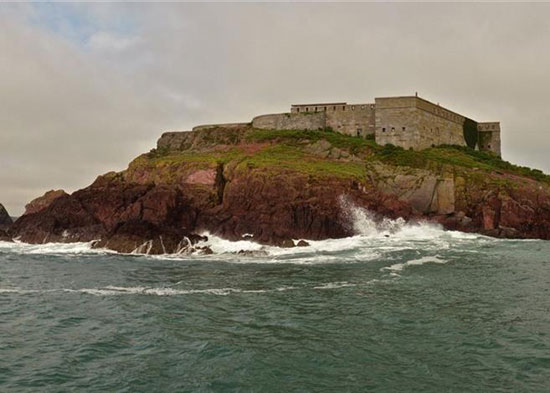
(43, 201)
(5, 219)
(275, 186)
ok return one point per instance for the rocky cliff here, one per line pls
(5, 223)
(275, 186)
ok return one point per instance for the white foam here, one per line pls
(51, 248)
(373, 239)
(335, 285)
(397, 267)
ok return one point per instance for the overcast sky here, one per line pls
(84, 88)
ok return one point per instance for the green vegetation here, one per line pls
(292, 150)
(460, 156)
(353, 144)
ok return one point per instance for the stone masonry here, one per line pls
(410, 122)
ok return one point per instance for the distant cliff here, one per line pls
(5, 223)
(275, 186)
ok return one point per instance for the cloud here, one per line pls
(86, 87)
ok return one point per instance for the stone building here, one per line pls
(410, 122)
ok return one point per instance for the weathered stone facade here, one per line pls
(410, 122)
(349, 119)
(489, 136)
(291, 121)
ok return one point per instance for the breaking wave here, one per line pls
(373, 239)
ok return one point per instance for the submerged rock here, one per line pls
(252, 253)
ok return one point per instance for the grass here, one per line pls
(279, 155)
(287, 151)
(352, 144)
(459, 156)
(290, 157)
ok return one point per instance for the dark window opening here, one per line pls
(315, 109)
(393, 128)
(403, 128)
(333, 108)
(343, 108)
(383, 129)
(307, 109)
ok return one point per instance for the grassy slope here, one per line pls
(286, 149)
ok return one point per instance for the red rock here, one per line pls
(44, 201)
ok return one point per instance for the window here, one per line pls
(333, 108)
(393, 128)
(307, 109)
(383, 129)
(325, 109)
(344, 108)
(489, 146)
(403, 128)
(359, 131)
(315, 109)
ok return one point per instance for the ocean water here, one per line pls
(397, 308)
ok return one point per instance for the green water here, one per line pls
(425, 311)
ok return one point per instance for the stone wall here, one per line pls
(291, 121)
(223, 125)
(411, 122)
(349, 119)
(489, 137)
(355, 120)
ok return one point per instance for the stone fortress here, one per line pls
(410, 122)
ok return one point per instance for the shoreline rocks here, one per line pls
(206, 181)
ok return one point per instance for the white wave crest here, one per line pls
(51, 248)
(397, 267)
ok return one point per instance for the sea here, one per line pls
(400, 307)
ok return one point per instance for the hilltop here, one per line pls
(278, 185)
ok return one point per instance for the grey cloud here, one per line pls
(71, 110)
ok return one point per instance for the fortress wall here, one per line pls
(224, 125)
(291, 121)
(355, 120)
(489, 137)
(436, 130)
(411, 122)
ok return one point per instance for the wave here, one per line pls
(398, 267)
(52, 248)
(169, 291)
(373, 239)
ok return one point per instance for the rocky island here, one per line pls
(276, 186)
